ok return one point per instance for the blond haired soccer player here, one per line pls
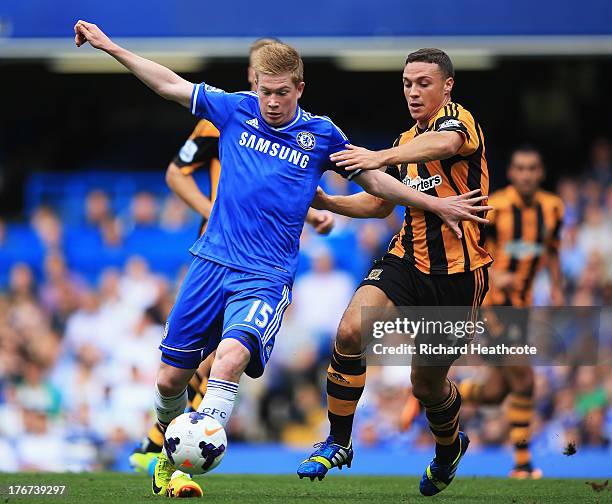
(201, 151)
(443, 155)
(239, 283)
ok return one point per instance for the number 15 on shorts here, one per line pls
(261, 311)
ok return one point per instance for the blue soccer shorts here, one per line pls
(216, 302)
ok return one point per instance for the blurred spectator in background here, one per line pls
(571, 256)
(600, 169)
(569, 191)
(84, 328)
(138, 286)
(60, 290)
(321, 295)
(139, 350)
(97, 208)
(119, 316)
(99, 216)
(143, 210)
(21, 287)
(590, 284)
(174, 216)
(48, 227)
(596, 231)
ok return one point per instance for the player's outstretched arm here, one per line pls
(426, 147)
(359, 206)
(185, 187)
(451, 210)
(159, 78)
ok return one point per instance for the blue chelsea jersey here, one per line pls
(268, 179)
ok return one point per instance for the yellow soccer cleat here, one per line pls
(142, 462)
(182, 486)
(162, 474)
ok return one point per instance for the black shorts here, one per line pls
(406, 286)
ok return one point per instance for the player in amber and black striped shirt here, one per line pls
(523, 237)
(428, 263)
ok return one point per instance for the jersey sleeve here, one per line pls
(200, 149)
(455, 118)
(214, 104)
(337, 143)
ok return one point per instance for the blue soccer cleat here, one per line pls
(327, 455)
(438, 476)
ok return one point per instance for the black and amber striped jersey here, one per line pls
(201, 150)
(424, 239)
(519, 237)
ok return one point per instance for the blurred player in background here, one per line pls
(523, 237)
(443, 154)
(201, 151)
(239, 283)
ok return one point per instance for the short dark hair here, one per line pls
(526, 148)
(433, 55)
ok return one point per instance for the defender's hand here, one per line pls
(323, 223)
(89, 32)
(357, 158)
(455, 209)
(320, 200)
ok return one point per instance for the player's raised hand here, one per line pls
(455, 209)
(89, 32)
(357, 158)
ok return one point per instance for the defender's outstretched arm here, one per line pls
(451, 210)
(426, 147)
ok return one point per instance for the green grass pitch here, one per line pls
(245, 489)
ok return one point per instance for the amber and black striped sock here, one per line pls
(196, 390)
(345, 382)
(154, 440)
(471, 391)
(444, 424)
(520, 414)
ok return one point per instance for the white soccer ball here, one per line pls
(195, 443)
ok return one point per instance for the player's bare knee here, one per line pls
(171, 381)
(423, 392)
(231, 360)
(427, 389)
(348, 337)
